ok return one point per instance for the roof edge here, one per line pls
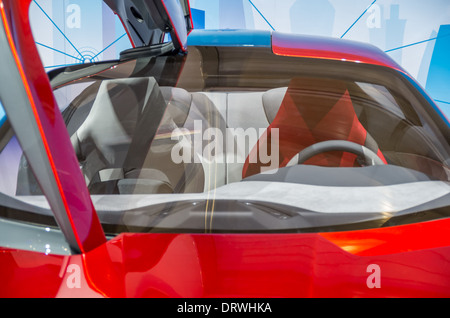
(330, 48)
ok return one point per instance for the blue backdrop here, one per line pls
(415, 33)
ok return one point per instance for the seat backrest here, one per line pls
(246, 115)
(245, 119)
(312, 110)
(125, 140)
(122, 110)
(194, 114)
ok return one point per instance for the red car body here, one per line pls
(399, 261)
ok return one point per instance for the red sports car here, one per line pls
(218, 164)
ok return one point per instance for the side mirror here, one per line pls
(148, 21)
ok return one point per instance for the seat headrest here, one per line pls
(113, 117)
(178, 104)
(272, 100)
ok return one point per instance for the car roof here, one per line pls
(296, 45)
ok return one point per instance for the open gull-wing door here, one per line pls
(148, 21)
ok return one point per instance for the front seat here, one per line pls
(119, 142)
(121, 132)
(124, 117)
(312, 110)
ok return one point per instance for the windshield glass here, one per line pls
(242, 140)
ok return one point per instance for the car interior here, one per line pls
(125, 127)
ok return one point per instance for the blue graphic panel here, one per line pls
(231, 14)
(198, 18)
(211, 9)
(73, 32)
(439, 72)
(395, 32)
(320, 23)
(2, 115)
(412, 32)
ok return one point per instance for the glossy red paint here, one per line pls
(330, 48)
(278, 265)
(243, 265)
(71, 184)
(29, 274)
(395, 239)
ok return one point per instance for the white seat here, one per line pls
(105, 134)
(247, 115)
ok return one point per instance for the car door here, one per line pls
(52, 260)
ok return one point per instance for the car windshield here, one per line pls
(238, 139)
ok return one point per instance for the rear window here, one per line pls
(242, 140)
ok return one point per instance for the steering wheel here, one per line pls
(363, 152)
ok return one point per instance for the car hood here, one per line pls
(275, 265)
(406, 261)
